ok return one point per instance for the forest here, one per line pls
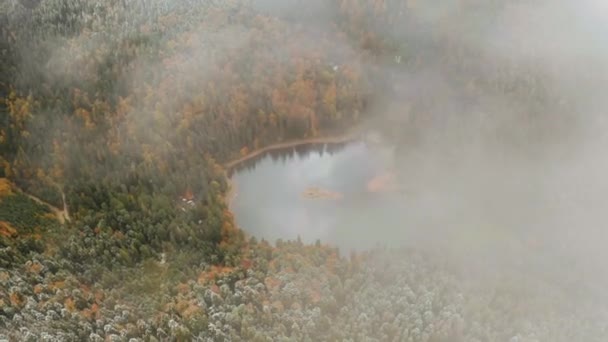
(115, 114)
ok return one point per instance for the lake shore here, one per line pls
(232, 191)
(330, 139)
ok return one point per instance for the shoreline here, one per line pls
(290, 144)
(232, 192)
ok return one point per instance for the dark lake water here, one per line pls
(270, 201)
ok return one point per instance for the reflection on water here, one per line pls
(274, 195)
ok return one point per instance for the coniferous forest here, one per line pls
(114, 114)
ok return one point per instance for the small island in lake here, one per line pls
(384, 182)
(315, 192)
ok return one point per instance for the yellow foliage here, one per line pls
(7, 230)
(191, 311)
(40, 173)
(8, 172)
(50, 216)
(183, 288)
(85, 115)
(57, 285)
(6, 187)
(187, 308)
(70, 305)
(20, 110)
(277, 305)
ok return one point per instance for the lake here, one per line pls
(351, 195)
(338, 193)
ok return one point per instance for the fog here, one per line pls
(499, 131)
(518, 189)
(497, 117)
(525, 172)
(535, 172)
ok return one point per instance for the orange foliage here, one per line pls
(35, 267)
(304, 92)
(272, 284)
(91, 313)
(119, 235)
(238, 101)
(279, 102)
(99, 296)
(314, 293)
(187, 309)
(69, 304)
(16, 299)
(7, 230)
(329, 99)
(246, 263)
(85, 289)
(331, 262)
(272, 265)
(57, 285)
(38, 289)
(213, 273)
(229, 230)
(315, 296)
(188, 195)
(124, 107)
(86, 117)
